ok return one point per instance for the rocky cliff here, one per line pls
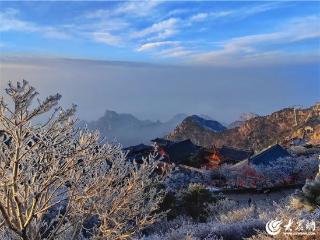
(258, 132)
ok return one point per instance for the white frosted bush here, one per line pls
(211, 230)
(56, 180)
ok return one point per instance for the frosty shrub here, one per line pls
(285, 212)
(221, 207)
(210, 230)
(195, 201)
(289, 170)
(170, 205)
(237, 215)
(309, 197)
(58, 182)
(284, 171)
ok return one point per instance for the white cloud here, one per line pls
(199, 17)
(295, 30)
(103, 31)
(10, 22)
(160, 30)
(153, 45)
(176, 52)
(111, 25)
(248, 11)
(99, 31)
(177, 11)
(131, 8)
(251, 47)
(243, 12)
(106, 38)
(139, 8)
(134, 26)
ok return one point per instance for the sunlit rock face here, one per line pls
(258, 132)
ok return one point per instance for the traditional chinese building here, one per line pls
(269, 155)
(216, 156)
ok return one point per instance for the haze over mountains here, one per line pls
(249, 132)
(129, 130)
(257, 132)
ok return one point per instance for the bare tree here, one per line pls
(56, 181)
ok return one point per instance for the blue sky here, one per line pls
(158, 58)
(219, 33)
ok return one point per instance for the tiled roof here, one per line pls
(269, 155)
(234, 154)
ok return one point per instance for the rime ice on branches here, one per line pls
(57, 181)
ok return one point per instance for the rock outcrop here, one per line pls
(258, 132)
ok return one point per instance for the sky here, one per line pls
(159, 58)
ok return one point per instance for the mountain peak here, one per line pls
(129, 130)
(242, 119)
(211, 125)
(257, 132)
(247, 116)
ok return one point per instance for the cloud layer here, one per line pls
(153, 91)
(185, 32)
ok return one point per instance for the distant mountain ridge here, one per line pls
(257, 132)
(242, 119)
(208, 124)
(129, 130)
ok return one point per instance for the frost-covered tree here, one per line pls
(288, 170)
(58, 182)
(309, 197)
